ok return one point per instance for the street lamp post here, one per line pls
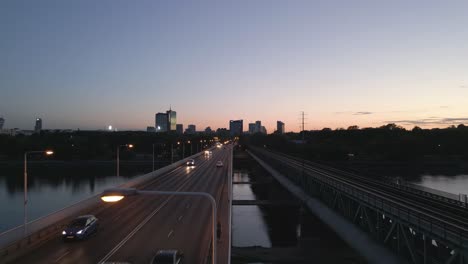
(153, 156)
(115, 195)
(25, 204)
(183, 150)
(118, 156)
(190, 148)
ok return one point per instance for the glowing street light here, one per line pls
(25, 204)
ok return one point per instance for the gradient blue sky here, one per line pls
(88, 64)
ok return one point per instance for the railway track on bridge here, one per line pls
(449, 212)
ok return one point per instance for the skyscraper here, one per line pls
(171, 120)
(180, 129)
(161, 122)
(279, 127)
(251, 128)
(2, 122)
(258, 127)
(38, 126)
(236, 127)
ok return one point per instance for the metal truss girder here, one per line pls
(358, 210)
(389, 234)
(453, 257)
(408, 245)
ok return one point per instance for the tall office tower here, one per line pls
(258, 127)
(251, 128)
(2, 122)
(180, 129)
(236, 127)
(279, 127)
(171, 120)
(38, 126)
(161, 122)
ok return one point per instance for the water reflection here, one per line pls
(52, 186)
(452, 184)
(267, 226)
(248, 227)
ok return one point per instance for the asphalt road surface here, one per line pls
(134, 229)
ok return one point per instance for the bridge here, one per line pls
(134, 229)
(385, 221)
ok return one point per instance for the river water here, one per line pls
(54, 186)
(452, 184)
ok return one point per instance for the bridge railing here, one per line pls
(415, 219)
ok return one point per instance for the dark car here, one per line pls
(81, 227)
(168, 256)
(191, 162)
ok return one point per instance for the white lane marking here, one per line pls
(180, 218)
(170, 233)
(130, 235)
(63, 255)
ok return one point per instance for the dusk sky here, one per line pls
(89, 64)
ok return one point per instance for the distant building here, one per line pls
(222, 132)
(171, 120)
(2, 122)
(150, 129)
(258, 127)
(279, 127)
(180, 129)
(251, 128)
(38, 126)
(263, 130)
(161, 122)
(208, 130)
(191, 129)
(236, 127)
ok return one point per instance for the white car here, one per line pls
(219, 163)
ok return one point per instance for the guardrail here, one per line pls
(413, 218)
(48, 226)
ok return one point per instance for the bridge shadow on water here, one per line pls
(278, 231)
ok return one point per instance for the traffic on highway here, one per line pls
(149, 228)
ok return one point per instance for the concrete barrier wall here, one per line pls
(50, 225)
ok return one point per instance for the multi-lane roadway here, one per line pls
(134, 229)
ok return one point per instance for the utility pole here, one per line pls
(303, 125)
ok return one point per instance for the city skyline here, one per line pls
(77, 65)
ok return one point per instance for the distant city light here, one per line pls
(110, 128)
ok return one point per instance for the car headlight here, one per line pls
(64, 233)
(79, 232)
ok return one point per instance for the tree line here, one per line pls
(97, 145)
(389, 142)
